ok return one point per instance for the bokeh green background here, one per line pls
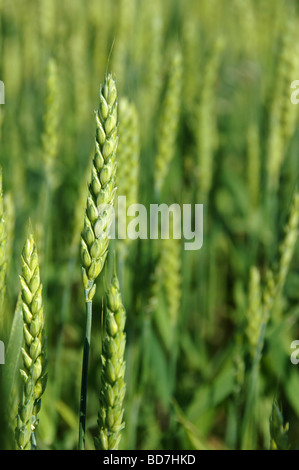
(236, 151)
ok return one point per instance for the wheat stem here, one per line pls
(83, 397)
(98, 219)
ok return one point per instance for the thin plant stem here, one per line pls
(252, 391)
(83, 396)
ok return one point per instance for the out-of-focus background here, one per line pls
(209, 83)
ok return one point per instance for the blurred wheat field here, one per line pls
(205, 117)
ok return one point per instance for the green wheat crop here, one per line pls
(144, 344)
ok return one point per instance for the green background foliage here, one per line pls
(192, 382)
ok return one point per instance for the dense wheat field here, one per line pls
(164, 102)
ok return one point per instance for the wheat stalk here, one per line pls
(98, 218)
(113, 387)
(34, 351)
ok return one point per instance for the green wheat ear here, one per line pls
(98, 219)
(50, 134)
(128, 152)
(99, 208)
(169, 121)
(113, 387)
(206, 130)
(128, 164)
(34, 354)
(171, 269)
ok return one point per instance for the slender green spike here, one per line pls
(113, 386)
(169, 121)
(98, 219)
(34, 351)
(95, 235)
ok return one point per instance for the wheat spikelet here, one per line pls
(168, 123)
(78, 211)
(113, 387)
(34, 354)
(24, 428)
(289, 67)
(166, 284)
(128, 152)
(206, 127)
(98, 219)
(127, 180)
(262, 305)
(288, 245)
(170, 262)
(99, 209)
(283, 113)
(276, 278)
(50, 134)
